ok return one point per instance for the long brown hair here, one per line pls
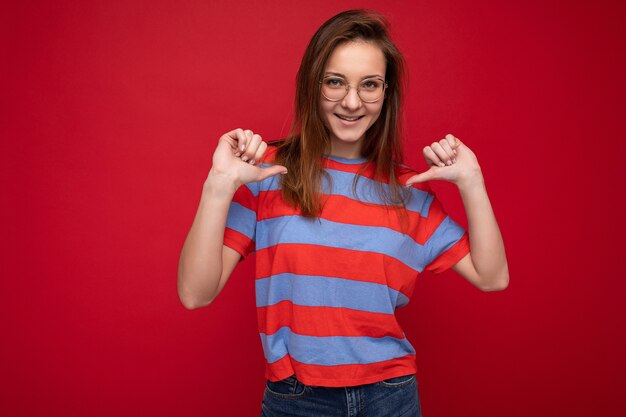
(302, 151)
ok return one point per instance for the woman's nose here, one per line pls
(352, 100)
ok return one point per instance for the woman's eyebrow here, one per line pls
(363, 78)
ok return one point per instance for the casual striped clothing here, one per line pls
(327, 288)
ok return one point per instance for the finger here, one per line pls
(441, 153)
(453, 141)
(423, 177)
(248, 135)
(259, 153)
(253, 146)
(270, 171)
(445, 144)
(432, 158)
(240, 139)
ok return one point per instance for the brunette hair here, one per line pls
(302, 151)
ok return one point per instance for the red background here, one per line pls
(111, 112)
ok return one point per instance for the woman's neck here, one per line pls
(345, 150)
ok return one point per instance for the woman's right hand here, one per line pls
(235, 157)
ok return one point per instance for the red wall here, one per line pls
(111, 111)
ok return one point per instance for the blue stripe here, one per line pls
(367, 190)
(300, 230)
(320, 291)
(351, 161)
(269, 184)
(333, 350)
(447, 234)
(241, 219)
(253, 187)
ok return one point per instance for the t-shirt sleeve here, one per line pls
(447, 242)
(240, 231)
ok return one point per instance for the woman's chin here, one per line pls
(348, 139)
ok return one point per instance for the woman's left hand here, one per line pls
(449, 160)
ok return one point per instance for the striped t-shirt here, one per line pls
(327, 288)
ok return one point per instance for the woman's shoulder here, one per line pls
(404, 172)
(272, 148)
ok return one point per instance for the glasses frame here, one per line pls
(358, 90)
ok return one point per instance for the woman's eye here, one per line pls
(334, 82)
(370, 84)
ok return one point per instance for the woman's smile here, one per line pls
(349, 120)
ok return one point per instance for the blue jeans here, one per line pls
(394, 397)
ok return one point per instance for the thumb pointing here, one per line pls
(272, 170)
(423, 177)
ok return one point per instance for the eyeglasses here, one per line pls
(369, 91)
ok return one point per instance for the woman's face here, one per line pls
(349, 118)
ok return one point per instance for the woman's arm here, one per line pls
(205, 263)
(486, 265)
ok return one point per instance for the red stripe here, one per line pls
(244, 196)
(270, 154)
(450, 257)
(338, 208)
(326, 321)
(306, 259)
(238, 241)
(340, 375)
(367, 171)
(402, 172)
(436, 215)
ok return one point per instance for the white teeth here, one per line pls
(349, 119)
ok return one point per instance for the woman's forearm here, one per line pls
(200, 264)
(487, 246)
(204, 266)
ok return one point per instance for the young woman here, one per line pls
(341, 230)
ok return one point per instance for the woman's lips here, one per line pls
(349, 120)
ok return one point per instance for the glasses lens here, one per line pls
(371, 90)
(335, 89)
